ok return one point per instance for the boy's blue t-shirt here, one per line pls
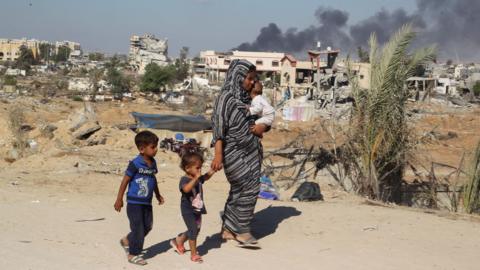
(140, 188)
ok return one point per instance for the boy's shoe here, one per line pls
(138, 260)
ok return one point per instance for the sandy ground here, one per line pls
(57, 211)
(63, 218)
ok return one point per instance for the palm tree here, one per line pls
(379, 134)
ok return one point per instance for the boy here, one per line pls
(141, 181)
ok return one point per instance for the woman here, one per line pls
(238, 150)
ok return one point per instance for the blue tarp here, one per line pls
(183, 123)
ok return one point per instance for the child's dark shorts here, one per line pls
(194, 223)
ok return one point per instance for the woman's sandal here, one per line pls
(138, 260)
(251, 243)
(196, 258)
(179, 249)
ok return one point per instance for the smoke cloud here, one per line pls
(451, 24)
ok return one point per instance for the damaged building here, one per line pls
(214, 65)
(147, 49)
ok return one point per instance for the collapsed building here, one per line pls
(147, 49)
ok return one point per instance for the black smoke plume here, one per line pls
(451, 24)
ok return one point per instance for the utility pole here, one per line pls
(319, 44)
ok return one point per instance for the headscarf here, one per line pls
(236, 74)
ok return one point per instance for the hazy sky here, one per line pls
(106, 25)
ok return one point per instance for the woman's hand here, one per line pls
(258, 130)
(217, 163)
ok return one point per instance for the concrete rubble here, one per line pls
(147, 49)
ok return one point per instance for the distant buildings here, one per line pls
(75, 48)
(10, 48)
(214, 65)
(147, 49)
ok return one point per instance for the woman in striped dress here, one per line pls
(238, 150)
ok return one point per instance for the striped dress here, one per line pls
(242, 153)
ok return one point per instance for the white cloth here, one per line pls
(263, 109)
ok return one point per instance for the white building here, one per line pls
(461, 72)
(446, 86)
(147, 49)
(214, 65)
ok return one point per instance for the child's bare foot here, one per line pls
(179, 248)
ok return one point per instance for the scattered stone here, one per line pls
(442, 137)
(26, 128)
(84, 115)
(86, 131)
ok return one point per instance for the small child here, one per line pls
(142, 183)
(191, 204)
(260, 106)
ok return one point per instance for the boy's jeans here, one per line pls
(141, 220)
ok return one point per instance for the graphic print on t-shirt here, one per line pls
(143, 187)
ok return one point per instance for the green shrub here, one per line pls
(10, 80)
(77, 98)
(476, 88)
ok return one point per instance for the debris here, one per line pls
(12, 155)
(181, 145)
(25, 241)
(80, 117)
(370, 228)
(32, 144)
(88, 220)
(267, 189)
(308, 191)
(458, 101)
(97, 139)
(48, 130)
(26, 128)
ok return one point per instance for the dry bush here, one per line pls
(16, 118)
